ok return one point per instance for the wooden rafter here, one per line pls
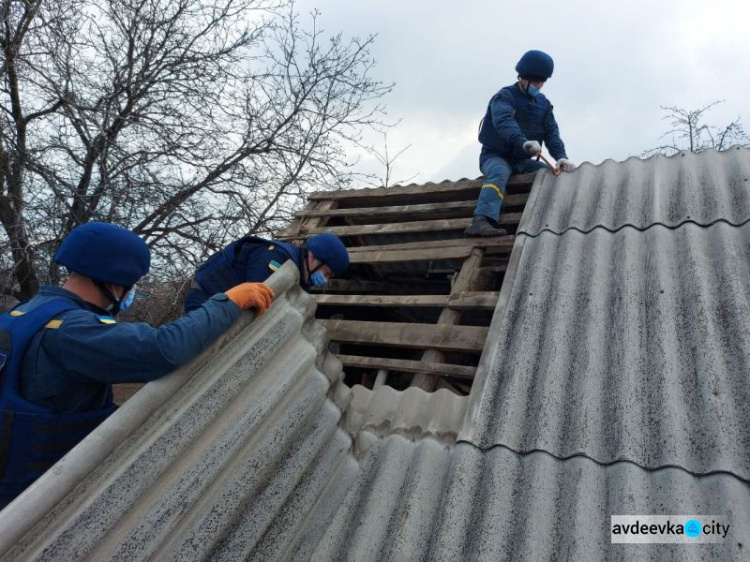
(418, 235)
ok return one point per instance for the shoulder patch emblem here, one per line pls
(274, 265)
(106, 320)
(53, 324)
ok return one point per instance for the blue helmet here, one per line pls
(535, 64)
(331, 251)
(105, 252)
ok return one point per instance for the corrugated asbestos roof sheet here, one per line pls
(425, 501)
(700, 188)
(203, 463)
(633, 345)
(615, 382)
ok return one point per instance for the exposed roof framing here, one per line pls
(419, 296)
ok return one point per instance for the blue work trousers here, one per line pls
(496, 171)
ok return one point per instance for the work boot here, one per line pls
(481, 226)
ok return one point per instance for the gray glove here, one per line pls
(565, 165)
(532, 147)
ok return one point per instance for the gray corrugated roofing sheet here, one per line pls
(633, 345)
(222, 446)
(701, 188)
(410, 412)
(614, 382)
(427, 501)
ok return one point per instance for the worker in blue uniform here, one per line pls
(518, 120)
(61, 351)
(255, 259)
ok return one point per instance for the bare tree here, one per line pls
(387, 161)
(690, 132)
(191, 122)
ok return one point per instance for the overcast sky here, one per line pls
(615, 65)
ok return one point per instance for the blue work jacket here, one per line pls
(514, 117)
(71, 363)
(251, 259)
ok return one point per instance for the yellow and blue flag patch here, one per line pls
(274, 265)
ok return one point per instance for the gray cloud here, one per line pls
(616, 64)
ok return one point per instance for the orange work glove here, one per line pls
(249, 295)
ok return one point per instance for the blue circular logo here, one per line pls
(693, 528)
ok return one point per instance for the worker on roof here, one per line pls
(519, 119)
(61, 351)
(255, 259)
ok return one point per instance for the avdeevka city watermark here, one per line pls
(689, 529)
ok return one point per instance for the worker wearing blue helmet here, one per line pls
(252, 258)
(61, 351)
(518, 121)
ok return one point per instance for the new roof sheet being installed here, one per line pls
(202, 463)
(613, 382)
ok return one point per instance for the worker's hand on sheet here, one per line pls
(251, 295)
(565, 165)
(532, 147)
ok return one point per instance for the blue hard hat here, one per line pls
(330, 250)
(105, 252)
(535, 64)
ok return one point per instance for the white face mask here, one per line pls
(128, 299)
(533, 91)
(318, 279)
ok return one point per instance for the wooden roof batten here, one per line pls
(415, 306)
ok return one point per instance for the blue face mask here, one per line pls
(533, 91)
(318, 279)
(127, 300)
